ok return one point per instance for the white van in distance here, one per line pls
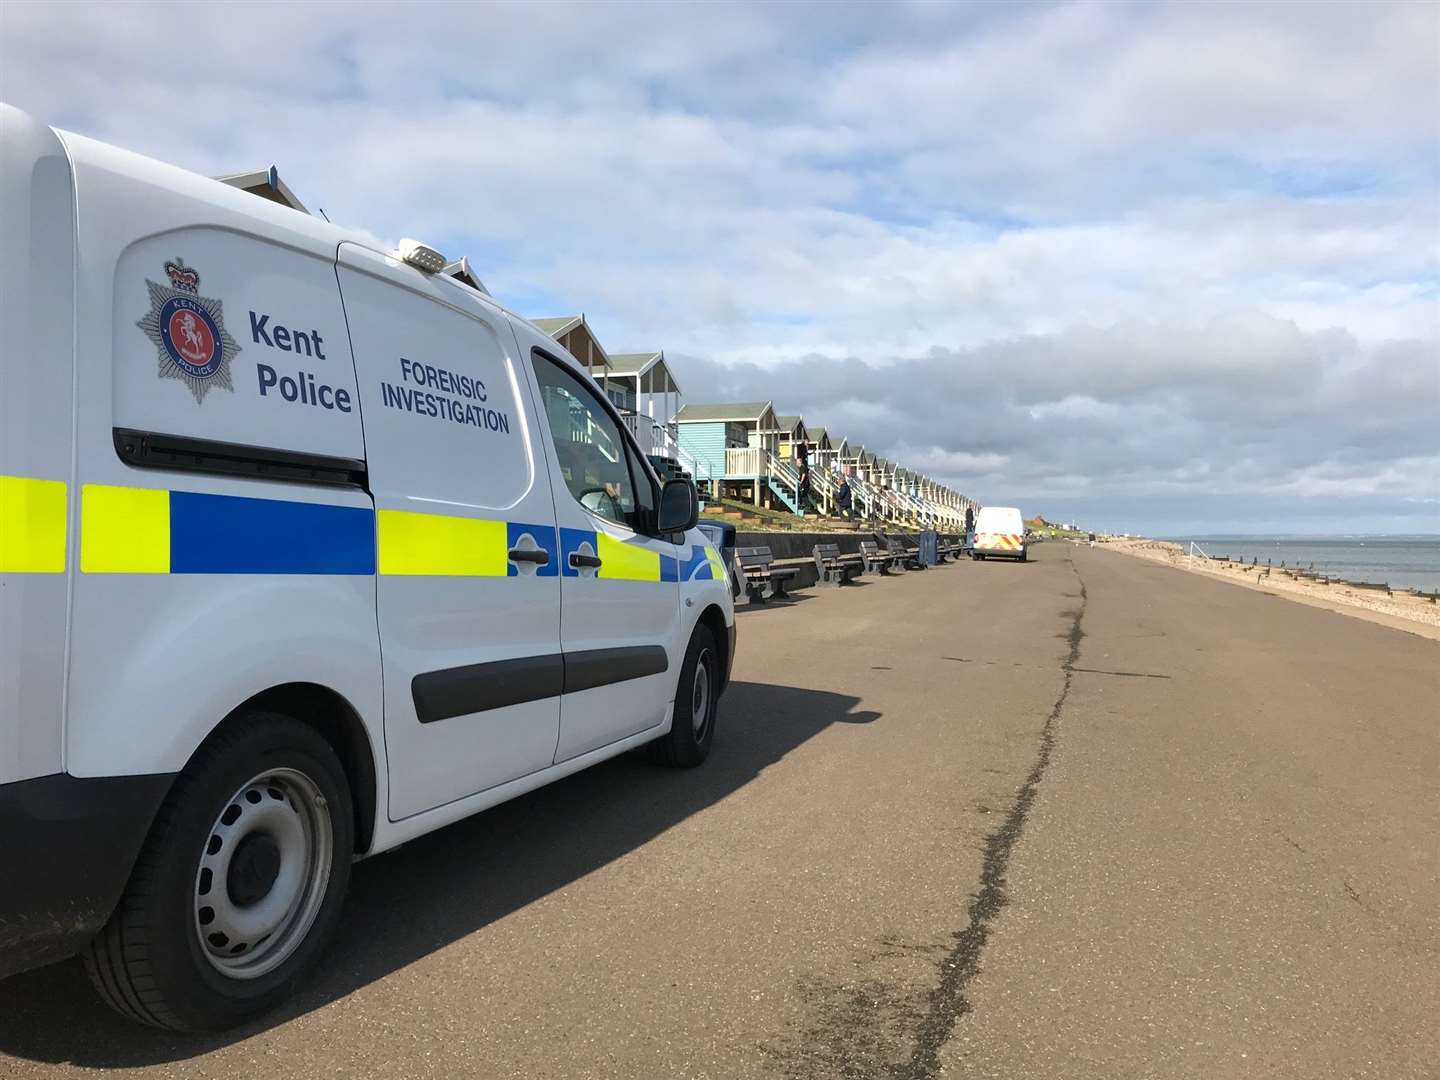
(999, 533)
(306, 549)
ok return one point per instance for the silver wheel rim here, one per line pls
(277, 821)
(700, 695)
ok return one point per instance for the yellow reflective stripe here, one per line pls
(32, 526)
(620, 561)
(717, 567)
(436, 544)
(124, 530)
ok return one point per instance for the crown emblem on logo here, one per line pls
(183, 277)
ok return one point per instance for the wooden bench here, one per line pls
(907, 555)
(832, 567)
(948, 550)
(874, 560)
(760, 579)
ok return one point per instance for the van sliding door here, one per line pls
(468, 583)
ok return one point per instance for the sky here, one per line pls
(1163, 268)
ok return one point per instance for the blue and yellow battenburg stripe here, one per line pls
(32, 525)
(126, 530)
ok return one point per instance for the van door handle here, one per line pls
(538, 556)
(579, 559)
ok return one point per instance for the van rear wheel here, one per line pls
(692, 730)
(239, 883)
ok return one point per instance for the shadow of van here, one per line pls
(410, 902)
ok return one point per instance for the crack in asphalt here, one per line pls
(947, 1002)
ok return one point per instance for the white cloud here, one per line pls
(1189, 232)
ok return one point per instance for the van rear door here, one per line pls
(37, 369)
(469, 588)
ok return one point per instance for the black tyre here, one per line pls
(239, 884)
(696, 705)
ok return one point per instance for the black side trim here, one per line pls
(439, 695)
(601, 667)
(67, 846)
(153, 450)
(459, 691)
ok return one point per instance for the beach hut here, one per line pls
(574, 334)
(643, 388)
(865, 465)
(792, 431)
(822, 453)
(739, 442)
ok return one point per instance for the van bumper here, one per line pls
(1000, 553)
(67, 845)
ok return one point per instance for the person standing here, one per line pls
(843, 498)
(802, 465)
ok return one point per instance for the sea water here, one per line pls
(1402, 562)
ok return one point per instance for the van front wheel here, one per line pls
(238, 885)
(692, 730)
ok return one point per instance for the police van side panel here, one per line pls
(196, 589)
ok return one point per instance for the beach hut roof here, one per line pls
(749, 411)
(560, 327)
(792, 426)
(638, 364)
(267, 184)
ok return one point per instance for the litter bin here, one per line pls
(722, 535)
(929, 544)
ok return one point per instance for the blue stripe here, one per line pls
(696, 560)
(224, 534)
(570, 541)
(544, 537)
(669, 568)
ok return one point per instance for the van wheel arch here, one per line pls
(714, 619)
(336, 720)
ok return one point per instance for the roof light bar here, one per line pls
(424, 258)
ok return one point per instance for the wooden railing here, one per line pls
(745, 461)
(649, 435)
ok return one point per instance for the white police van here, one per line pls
(306, 549)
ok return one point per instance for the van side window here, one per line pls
(592, 454)
(646, 498)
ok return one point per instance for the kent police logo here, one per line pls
(189, 332)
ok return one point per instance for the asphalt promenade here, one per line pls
(1082, 817)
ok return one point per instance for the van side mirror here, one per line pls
(679, 507)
